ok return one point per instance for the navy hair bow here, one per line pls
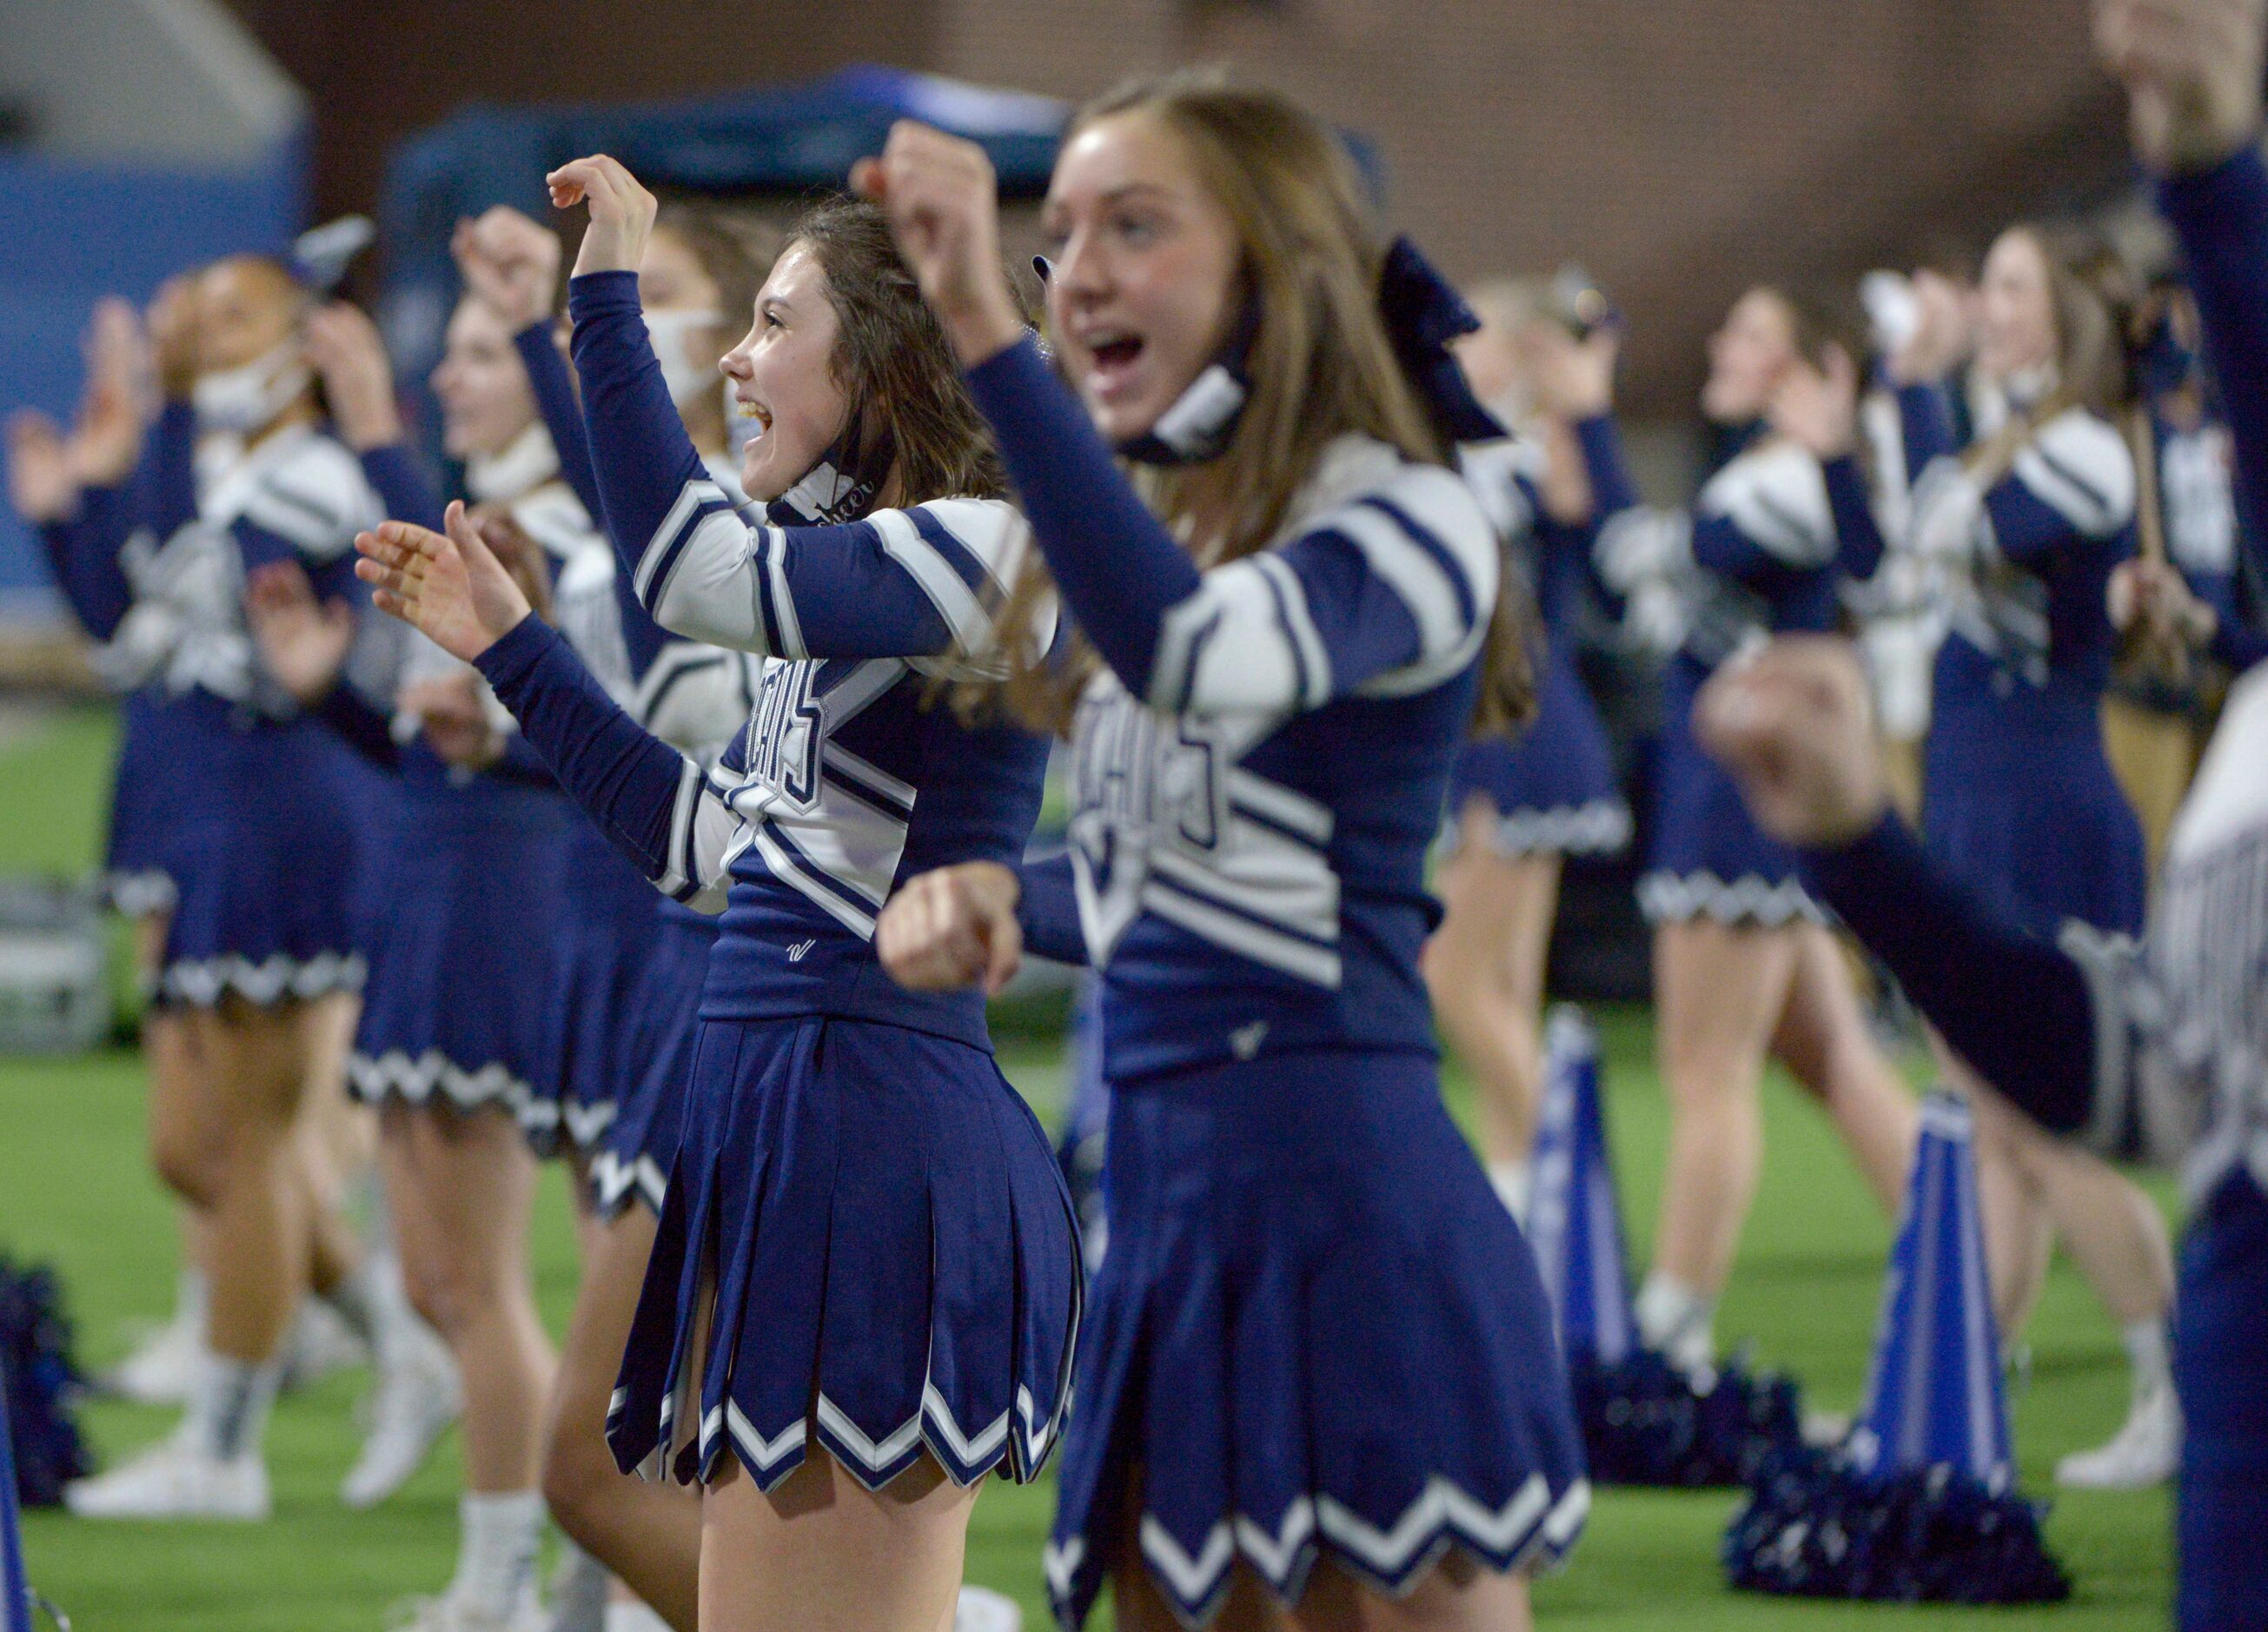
(1424, 314)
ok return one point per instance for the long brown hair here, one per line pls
(1321, 363)
(2088, 356)
(893, 361)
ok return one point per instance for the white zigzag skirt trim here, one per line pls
(1600, 828)
(615, 1183)
(140, 892)
(1681, 898)
(432, 1076)
(1530, 1532)
(201, 983)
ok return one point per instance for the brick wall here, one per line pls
(1679, 148)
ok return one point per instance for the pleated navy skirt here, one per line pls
(2019, 800)
(265, 855)
(892, 1257)
(1710, 860)
(1551, 790)
(632, 1161)
(461, 1006)
(1317, 1330)
(609, 925)
(137, 876)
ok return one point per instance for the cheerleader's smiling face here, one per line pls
(783, 377)
(486, 401)
(1145, 279)
(2015, 309)
(1748, 356)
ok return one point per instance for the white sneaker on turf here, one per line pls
(454, 1612)
(980, 1609)
(579, 1592)
(2144, 1452)
(163, 1369)
(416, 1397)
(174, 1479)
(319, 1343)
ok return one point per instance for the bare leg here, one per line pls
(1485, 969)
(1720, 992)
(255, 1061)
(461, 1188)
(1823, 1038)
(648, 1534)
(822, 1554)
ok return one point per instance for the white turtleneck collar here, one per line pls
(527, 465)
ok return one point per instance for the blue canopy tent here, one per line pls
(776, 142)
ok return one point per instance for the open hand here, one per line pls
(1942, 335)
(1817, 408)
(1573, 378)
(1794, 726)
(455, 719)
(40, 484)
(450, 587)
(173, 326)
(622, 212)
(303, 641)
(2192, 71)
(344, 348)
(943, 204)
(511, 263)
(951, 927)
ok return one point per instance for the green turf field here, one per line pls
(75, 1190)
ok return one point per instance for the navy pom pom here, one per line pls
(1645, 1422)
(40, 1381)
(1816, 1527)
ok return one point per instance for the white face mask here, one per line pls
(241, 401)
(670, 329)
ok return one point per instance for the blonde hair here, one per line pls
(1321, 363)
(2089, 358)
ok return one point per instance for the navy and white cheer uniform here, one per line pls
(267, 814)
(636, 959)
(2197, 497)
(1316, 1329)
(84, 555)
(1552, 787)
(2018, 795)
(1766, 549)
(892, 1260)
(2092, 1034)
(461, 1010)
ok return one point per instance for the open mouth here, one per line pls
(756, 413)
(1114, 357)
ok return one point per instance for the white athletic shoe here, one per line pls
(578, 1593)
(980, 1609)
(174, 1479)
(452, 1612)
(416, 1397)
(162, 1370)
(2144, 1453)
(319, 1343)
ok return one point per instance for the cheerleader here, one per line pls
(1517, 809)
(75, 490)
(1320, 1368)
(460, 1048)
(835, 1350)
(2018, 797)
(696, 272)
(260, 953)
(2157, 711)
(1743, 963)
